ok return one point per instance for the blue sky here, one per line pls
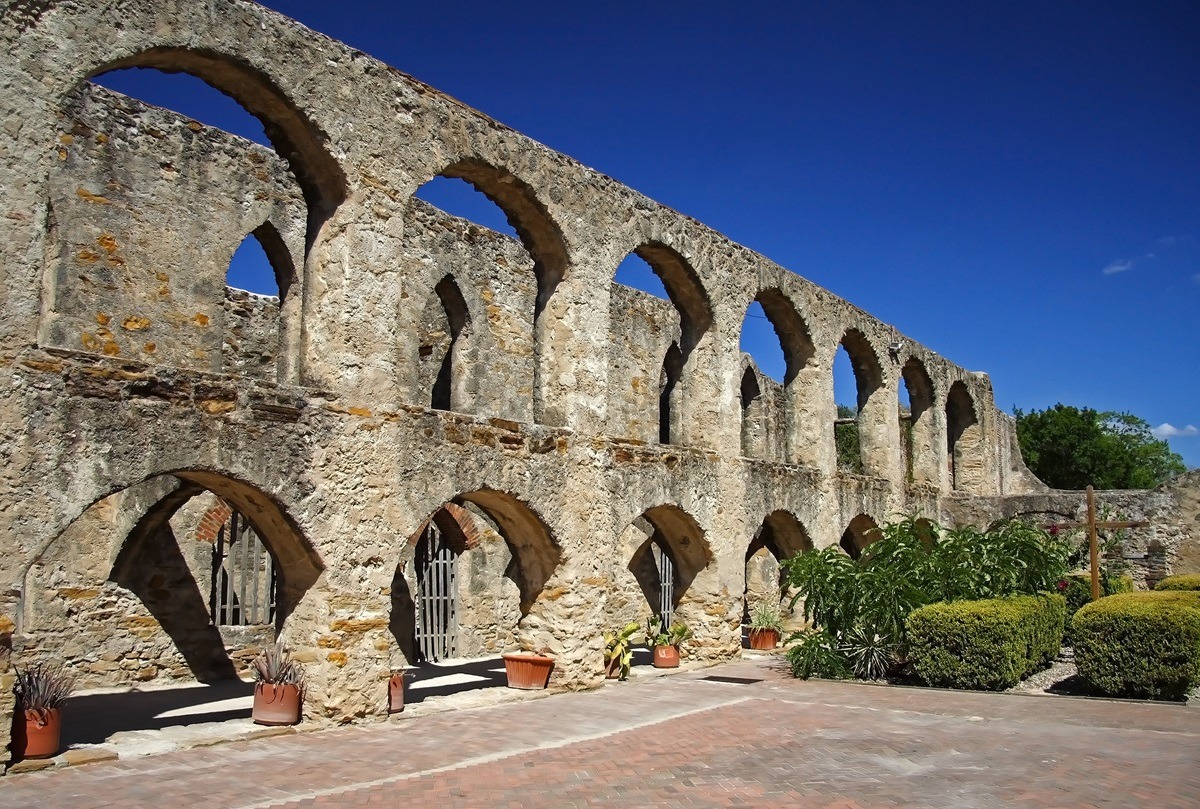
(1015, 185)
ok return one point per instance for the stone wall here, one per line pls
(1169, 545)
(411, 362)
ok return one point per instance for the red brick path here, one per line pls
(682, 741)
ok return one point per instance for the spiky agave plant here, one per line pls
(275, 666)
(43, 687)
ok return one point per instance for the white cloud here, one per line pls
(1196, 278)
(1165, 430)
(1167, 241)
(1120, 265)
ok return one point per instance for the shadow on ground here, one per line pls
(426, 680)
(92, 718)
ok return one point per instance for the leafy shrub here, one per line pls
(1140, 644)
(817, 655)
(1188, 581)
(1077, 588)
(989, 644)
(862, 604)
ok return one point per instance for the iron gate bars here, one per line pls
(437, 597)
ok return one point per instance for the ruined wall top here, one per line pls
(94, 222)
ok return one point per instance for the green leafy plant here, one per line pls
(870, 656)
(274, 666)
(816, 655)
(657, 636)
(43, 687)
(618, 649)
(766, 616)
(863, 604)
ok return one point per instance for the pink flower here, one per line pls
(1062, 584)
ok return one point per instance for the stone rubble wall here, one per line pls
(1169, 545)
(137, 382)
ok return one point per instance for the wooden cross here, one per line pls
(1093, 542)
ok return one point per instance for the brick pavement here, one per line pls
(684, 741)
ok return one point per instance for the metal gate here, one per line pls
(437, 597)
(666, 583)
(244, 582)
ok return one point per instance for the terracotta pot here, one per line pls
(528, 671)
(666, 657)
(613, 670)
(396, 693)
(37, 733)
(764, 640)
(276, 704)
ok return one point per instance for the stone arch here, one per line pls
(870, 421)
(543, 239)
(278, 255)
(756, 421)
(918, 432)
(964, 441)
(799, 353)
(859, 533)
(296, 138)
(122, 595)
(662, 529)
(263, 329)
(509, 555)
(780, 536)
(443, 349)
(694, 310)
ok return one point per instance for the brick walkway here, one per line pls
(683, 741)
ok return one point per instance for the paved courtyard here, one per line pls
(696, 739)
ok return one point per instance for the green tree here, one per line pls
(845, 437)
(1069, 448)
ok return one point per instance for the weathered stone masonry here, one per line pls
(412, 360)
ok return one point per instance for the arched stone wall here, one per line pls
(324, 419)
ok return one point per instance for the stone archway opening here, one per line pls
(665, 361)
(161, 594)
(917, 434)
(860, 533)
(468, 587)
(780, 537)
(508, 205)
(665, 569)
(857, 426)
(964, 441)
(777, 349)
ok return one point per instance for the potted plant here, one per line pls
(527, 671)
(396, 691)
(41, 691)
(278, 687)
(666, 642)
(766, 627)
(618, 651)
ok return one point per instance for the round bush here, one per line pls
(1140, 644)
(1188, 581)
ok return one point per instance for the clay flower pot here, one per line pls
(276, 704)
(666, 657)
(396, 693)
(528, 671)
(37, 734)
(764, 639)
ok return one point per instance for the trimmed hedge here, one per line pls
(1188, 581)
(1140, 644)
(985, 645)
(1078, 592)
